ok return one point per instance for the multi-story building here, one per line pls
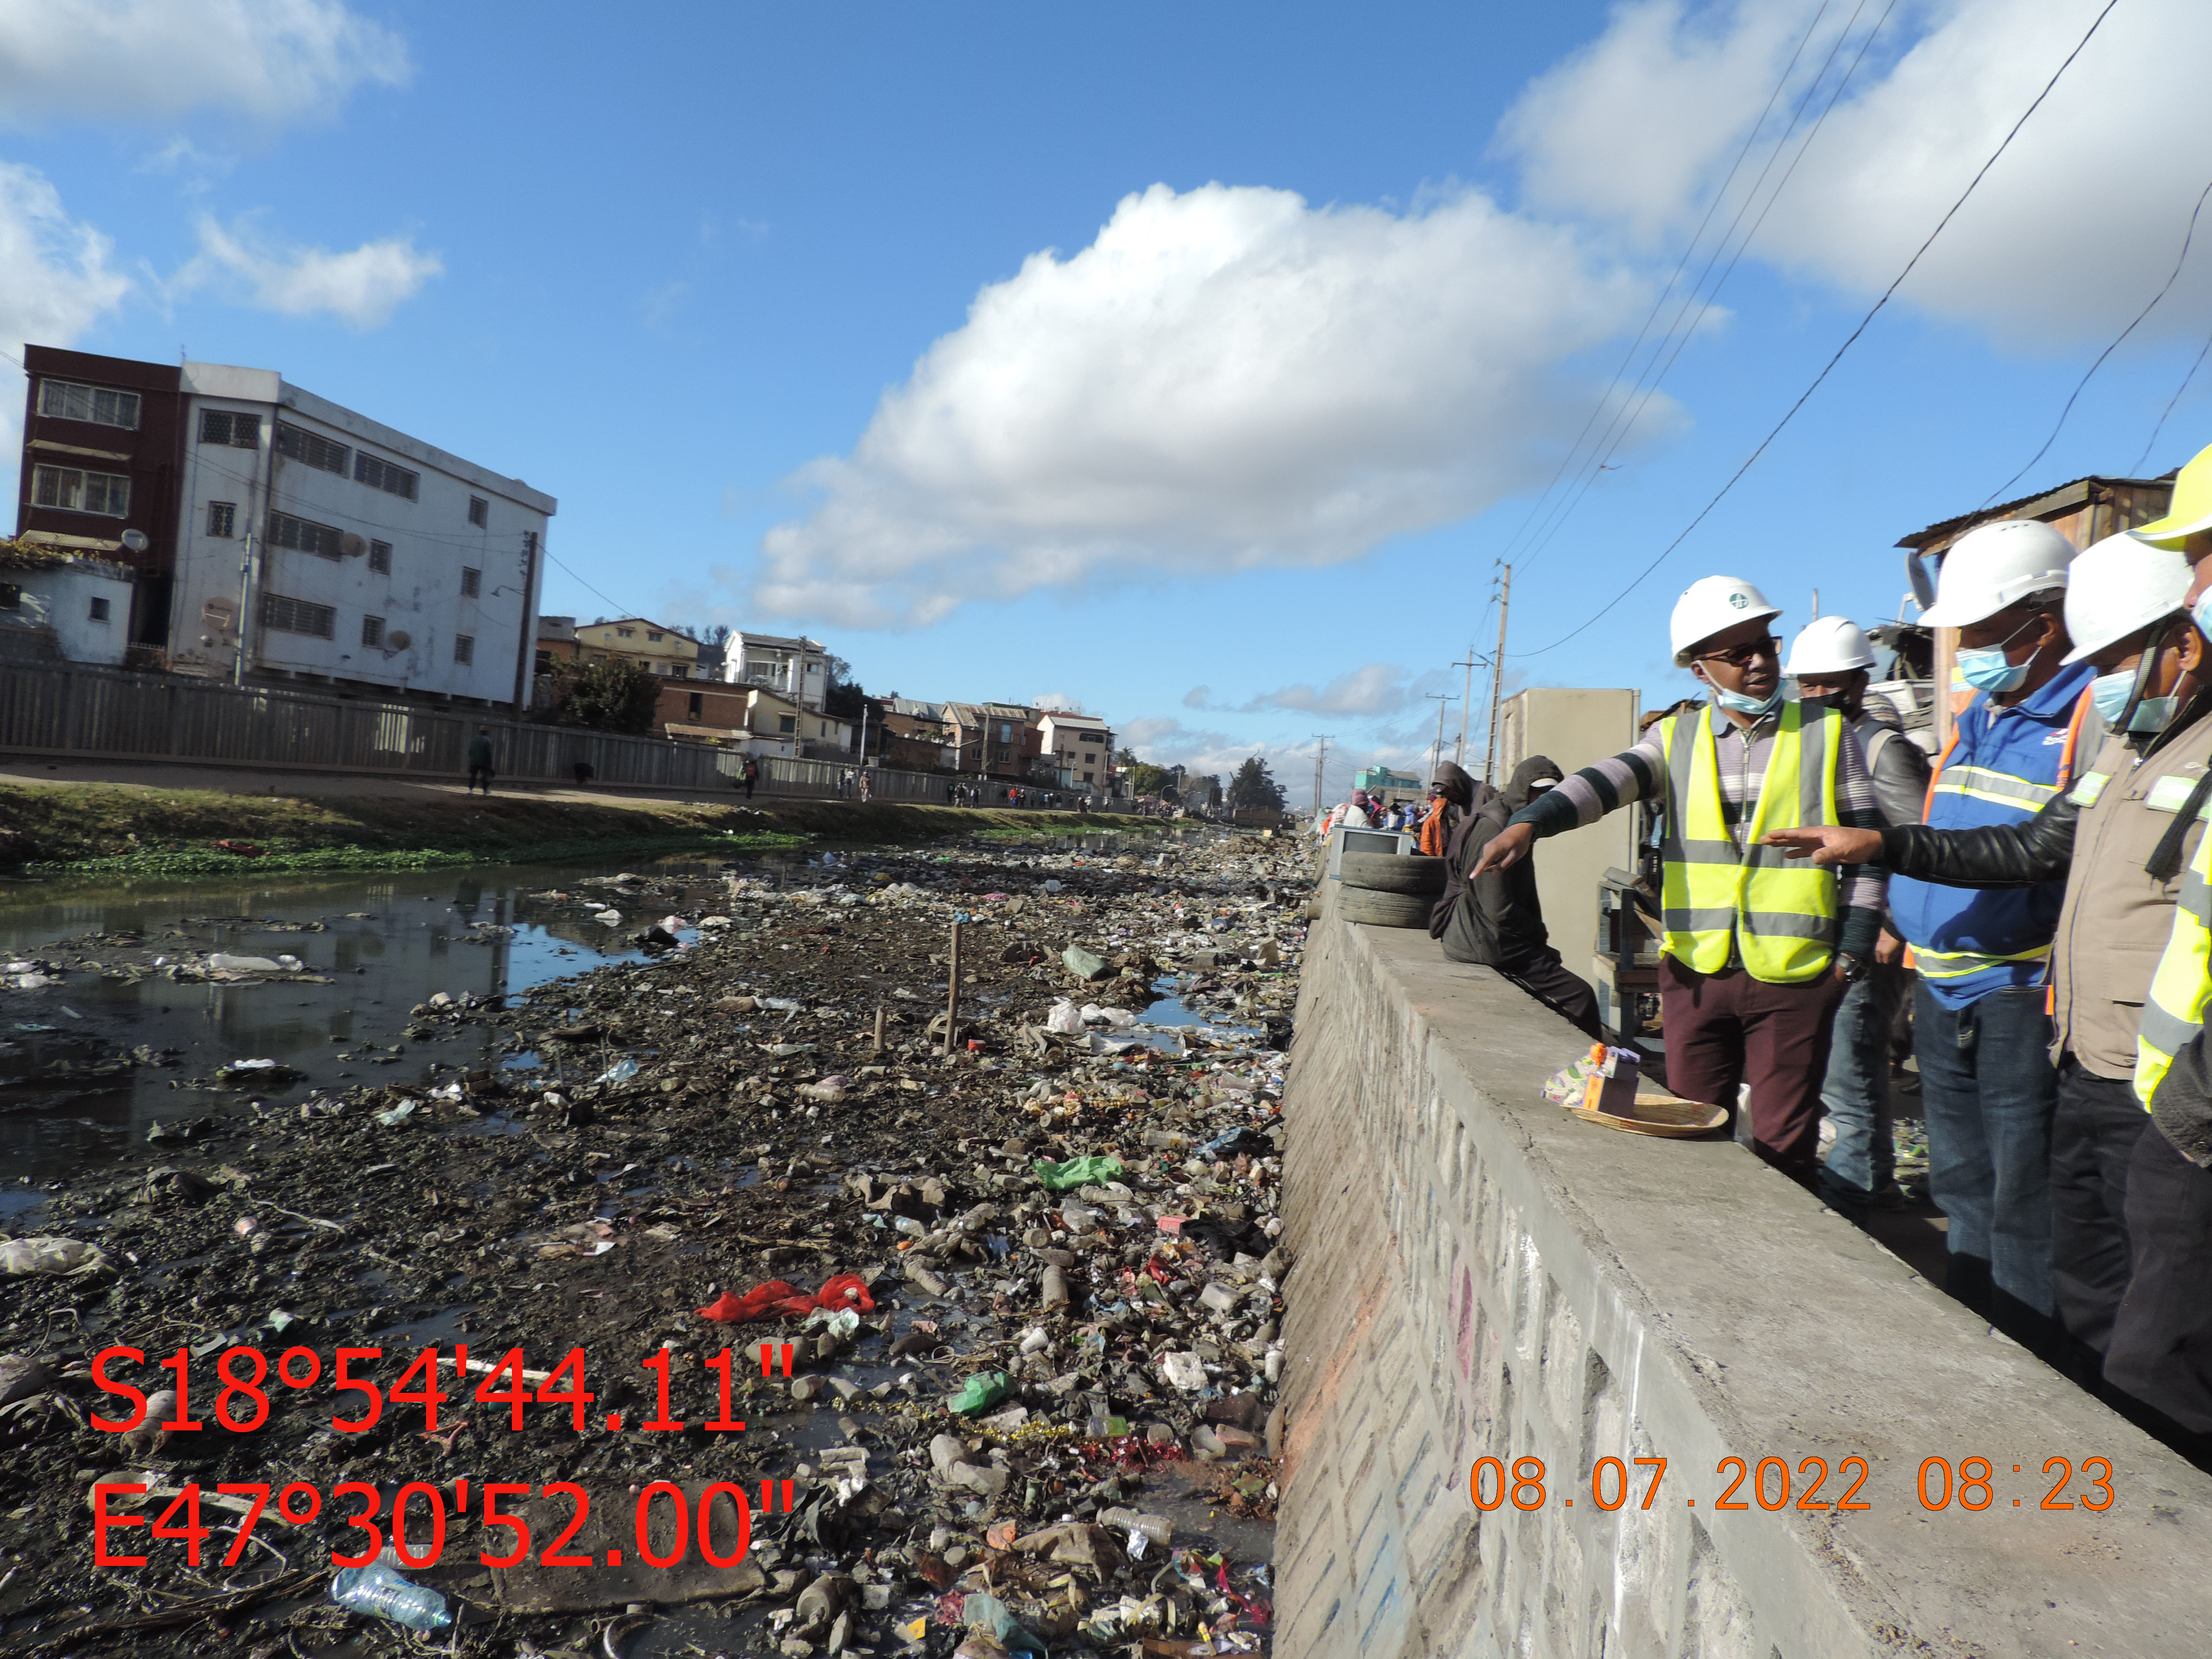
(995, 739)
(1081, 746)
(752, 718)
(277, 535)
(798, 669)
(654, 647)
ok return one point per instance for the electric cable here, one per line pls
(1849, 340)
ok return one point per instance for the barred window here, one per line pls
(383, 475)
(479, 511)
(283, 615)
(313, 448)
(380, 557)
(99, 611)
(465, 648)
(102, 405)
(303, 535)
(372, 631)
(223, 519)
(472, 582)
(233, 427)
(70, 490)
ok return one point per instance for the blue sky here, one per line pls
(1192, 366)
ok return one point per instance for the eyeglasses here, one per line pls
(1735, 656)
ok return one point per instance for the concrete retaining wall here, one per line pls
(1479, 1273)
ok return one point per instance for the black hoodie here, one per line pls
(1504, 927)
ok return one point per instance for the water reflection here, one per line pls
(386, 942)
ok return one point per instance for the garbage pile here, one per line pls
(970, 1159)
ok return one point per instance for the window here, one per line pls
(223, 519)
(99, 610)
(384, 476)
(465, 648)
(71, 491)
(698, 707)
(313, 448)
(1090, 737)
(283, 615)
(380, 557)
(479, 511)
(225, 426)
(472, 582)
(787, 723)
(1006, 732)
(11, 596)
(372, 631)
(304, 536)
(650, 635)
(65, 400)
(627, 633)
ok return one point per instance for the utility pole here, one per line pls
(1466, 699)
(1436, 755)
(1496, 681)
(1321, 760)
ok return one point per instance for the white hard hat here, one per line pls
(1711, 606)
(1995, 565)
(2121, 584)
(1829, 645)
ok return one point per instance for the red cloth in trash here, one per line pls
(847, 1290)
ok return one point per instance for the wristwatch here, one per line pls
(1853, 968)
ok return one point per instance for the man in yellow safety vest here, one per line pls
(1757, 951)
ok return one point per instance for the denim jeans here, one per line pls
(1855, 1094)
(1987, 1089)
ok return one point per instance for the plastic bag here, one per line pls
(20, 1257)
(847, 1290)
(1092, 1169)
(981, 1392)
(1065, 1018)
(996, 1619)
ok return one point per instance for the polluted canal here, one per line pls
(869, 1255)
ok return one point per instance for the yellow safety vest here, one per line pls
(1777, 914)
(2183, 984)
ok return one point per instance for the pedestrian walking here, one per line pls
(480, 760)
(1831, 658)
(1756, 957)
(751, 776)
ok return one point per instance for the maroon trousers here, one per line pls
(1728, 1028)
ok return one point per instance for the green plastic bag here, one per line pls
(981, 1391)
(995, 1619)
(1092, 1169)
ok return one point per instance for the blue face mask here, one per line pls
(1986, 670)
(1757, 708)
(2110, 694)
(2201, 613)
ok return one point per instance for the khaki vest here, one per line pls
(2115, 920)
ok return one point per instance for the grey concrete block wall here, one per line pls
(1480, 1274)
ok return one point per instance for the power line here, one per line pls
(585, 585)
(2171, 404)
(2173, 276)
(1828, 368)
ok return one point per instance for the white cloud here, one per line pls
(1380, 687)
(117, 59)
(361, 287)
(1057, 700)
(2070, 234)
(1225, 378)
(58, 284)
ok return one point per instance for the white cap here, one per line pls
(1713, 605)
(1995, 565)
(2121, 584)
(1829, 645)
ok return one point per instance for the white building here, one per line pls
(1081, 745)
(797, 669)
(318, 545)
(75, 606)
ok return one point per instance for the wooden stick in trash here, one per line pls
(487, 1368)
(879, 1028)
(952, 990)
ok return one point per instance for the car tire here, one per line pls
(1393, 873)
(1376, 908)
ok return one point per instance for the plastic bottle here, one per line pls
(380, 1593)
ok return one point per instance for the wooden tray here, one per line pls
(1666, 1115)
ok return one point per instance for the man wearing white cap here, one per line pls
(2152, 696)
(1832, 658)
(1755, 959)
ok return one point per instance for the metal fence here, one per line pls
(88, 713)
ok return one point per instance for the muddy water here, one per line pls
(386, 942)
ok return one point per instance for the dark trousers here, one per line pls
(1551, 981)
(1727, 1029)
(480, 775)
(2161, 1354)
(2093, 1141)
(1989, 1094)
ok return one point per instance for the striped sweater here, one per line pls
(1640, 773)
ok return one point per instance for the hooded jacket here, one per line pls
(1502, 924)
